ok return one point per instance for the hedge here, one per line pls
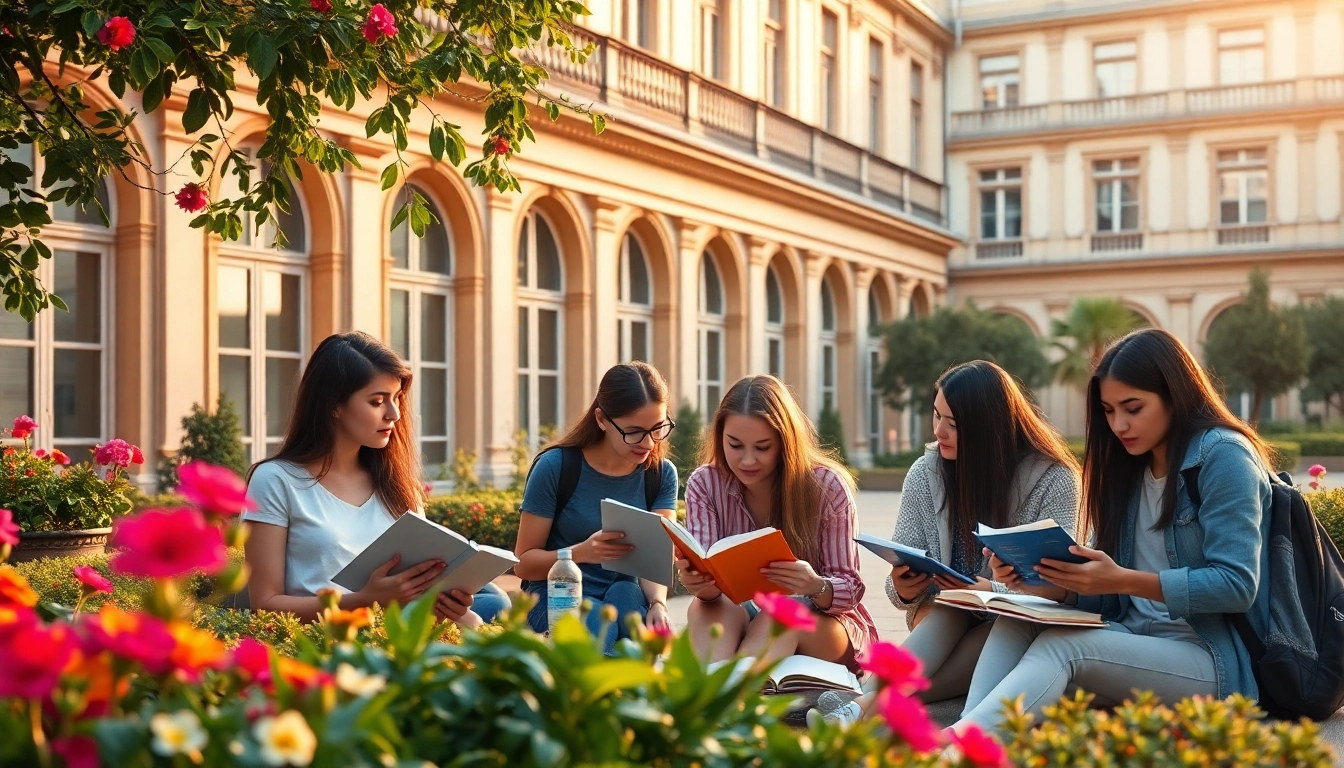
(484, 516)
(1322, 444)
(1328, 505)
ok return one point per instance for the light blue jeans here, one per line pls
(627, 596)
(1039, 662)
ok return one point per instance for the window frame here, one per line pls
(1001, 77)
(775, 48)
(829, 76)
(1098, 62)
(533, 301)
(1219, 49)
(713, 26)
(1244, 166)
(710, 322)
(776, 359)
(1000, 185)
(639, 24)
(916, 114)
(1115, 178)
(877, 64)
(827, 337)
(629, 312)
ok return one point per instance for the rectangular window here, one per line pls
(638, 23)
(711, 368)
(1001, 204)
(916, 114)
(1243, 187)
(875, 62)
(874, 401)
(830, 47)
(711, 40)
(1115, 68)
(773, 42)
(827, 375)
(999, 77)
(775, 355)
(1241, 56)
(1117, 188)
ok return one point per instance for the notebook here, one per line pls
(918, 560)
(735, 562)
(794, 674)
(469, 566)
(1025, 546)
(652, 555)
(1029, 607)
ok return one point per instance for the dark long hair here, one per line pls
(998, 428)
(1153, 361)
(342, 365)
(624, 389)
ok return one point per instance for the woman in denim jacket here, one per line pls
(1164, 573)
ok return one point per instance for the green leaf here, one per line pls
(160, 49)
(437, 142)
(261, 54)
(144, 65)
(599, 123)
(389, 176)
(400, 217)
(91, 21)
(197, 111)
(553, 110)
(605, 677)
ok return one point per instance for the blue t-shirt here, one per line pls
(582, 516)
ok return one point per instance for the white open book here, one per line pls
(468, 565)
(798, 673)
(1028, 607)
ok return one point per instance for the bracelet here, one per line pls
(657, 602)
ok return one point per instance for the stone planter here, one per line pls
(60, 544)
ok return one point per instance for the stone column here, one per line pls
(1178, 309)
(809, 386)
(690, 235)
(359, 294)
(136, 331)
(500, 358)
(1054, 157)
(759, 252)
(606, 276)
(1306, 175)
(1179, 235)
(859, 451)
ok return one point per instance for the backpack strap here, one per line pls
(1191, 476)
(571, 466)
(653, 483)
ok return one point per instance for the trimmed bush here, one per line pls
(216, 438)
(687, 441)
(831, 432)
(902, 460)
(52, 578)
(485, 516)
(1328, 506)
(1286, 454)
(1321, 444)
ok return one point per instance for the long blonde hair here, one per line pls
(797, 490)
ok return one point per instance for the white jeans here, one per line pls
(1039, 661)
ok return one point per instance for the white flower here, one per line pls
(358, 683)
(179, 733)
(285, 739)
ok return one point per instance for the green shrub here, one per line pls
(463, 471)
(687, 443)
(1321, 444)
(1286, 454)
(831, 432)
(216, 438)
(1078, 448)
(902, 460)
(142, 501)
(45, 497)
(1328, 505)
(53, 580)
(484, 516)
(283, 631)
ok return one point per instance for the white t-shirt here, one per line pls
(1150, 617)
(325, 533)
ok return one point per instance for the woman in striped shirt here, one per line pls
(765, 467)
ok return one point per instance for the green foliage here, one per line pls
(687, 442)
(521, 456)
(1253, 347)
(53, 581)
(902, 460)
(47, 497)
(1324, 323)
(1328, 506)
(215, 438)
(1286, 456)
(463, 471)
(1083, 336)
(485, 516)
(1140, 732)
(141, 501)
(296, 61)
(831, 432)
(285, 633)
(1320, 444)
(920, 349)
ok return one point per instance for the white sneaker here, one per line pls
(845, 716)
(829, 701)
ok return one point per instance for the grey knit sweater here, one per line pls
(1043, 489)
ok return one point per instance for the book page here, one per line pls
(684, 540)
(968, 595)
(415, 539)
(1039, 525)
(728, 542)
(800, 669)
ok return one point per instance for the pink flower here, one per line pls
(321, 6)
(9, 530)
(136, 637)
(428, 489)
(92, 580)
(1315, 486)
(117, 33)
(980, 749)
(163, 544)
(896, 667)
(253, 657)
(77, 751)
(1317, 471)
(191, 198)
(499, 145)
(213, 489)
(34, 654)
(23, 427)
(908, 719)
(118, 452)
(786, 612)
(58, 456)
(381, 23)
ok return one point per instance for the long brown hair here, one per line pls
(624, 389)
(1153, 361)
(342, 365)
(797, 490)
(997, 429)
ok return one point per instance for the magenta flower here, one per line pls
(896, 667)
(908, 719)
(77, 751)
(381, 23)
(1317, 471)
(166, 543)
(92, 580)
(213, 489)
(980, 749)
(23, 427)
(34, 654)
(192, 198)
(118, 453)
(9, 530)
(321, 6)
(786, 612)
(117, 33)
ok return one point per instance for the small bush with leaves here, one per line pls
(831, 432)
(484, 516)
(687, 442)
(215, 438)
(1328, 506)
(46, 495)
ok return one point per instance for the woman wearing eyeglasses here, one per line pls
(620, 444)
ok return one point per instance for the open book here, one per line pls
(468, 565)
(652, 555)
(1029, 607)
(798, 673)
(918, 560)
(1025, 546)
(735, 562)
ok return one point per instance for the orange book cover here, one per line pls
(735, 562)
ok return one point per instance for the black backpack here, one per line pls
(1299, 665)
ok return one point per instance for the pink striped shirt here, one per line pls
(715, 509)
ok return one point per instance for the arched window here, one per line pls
(827, 345)
(774, 325)
(873, 390)
(55, 369)
(261, 300)
(635, 302)
(540, 314)
(420, 326)
(711, 335)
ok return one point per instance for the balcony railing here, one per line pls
(627, 78)
(989, 250)
(1150, 107)
(1234, 235)
(1117, 242)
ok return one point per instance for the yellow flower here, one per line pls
(179, 733)
(285, 739)
(358, 683)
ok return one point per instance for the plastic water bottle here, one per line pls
(564, 588)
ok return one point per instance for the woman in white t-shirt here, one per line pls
(346, 470)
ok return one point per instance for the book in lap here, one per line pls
(1027, 607)
(918, 560)
(652, 555)
(735, 562)
(468, 566)
(1025, 546)
(798, 673)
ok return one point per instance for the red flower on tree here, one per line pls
(381, 23)
(117, 33)
(191, 198)
(499, 145)
(163, 544)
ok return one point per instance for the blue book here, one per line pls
(1025, 546)
(918, 560)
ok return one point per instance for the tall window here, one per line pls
(635, 302)
(1243, 187)
(1001, 204)
(827, 345)
(638, 23)
(872, 388)
(875, 61)
(999, 78)
(1115, 68)
(261, 301)
(916, 114)
(774, 325)
(1117, 185)
(540, 304)
(711, 332)
(55, 369)
(712, 39)
(774, 53)
(830, 74)
(1241, 56)
(420, 318)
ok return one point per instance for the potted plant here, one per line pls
(63, 508)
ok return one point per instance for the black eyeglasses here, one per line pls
(636, 436)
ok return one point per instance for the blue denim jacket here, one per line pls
(1217, 553)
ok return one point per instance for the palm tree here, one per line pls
(1091, 326)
